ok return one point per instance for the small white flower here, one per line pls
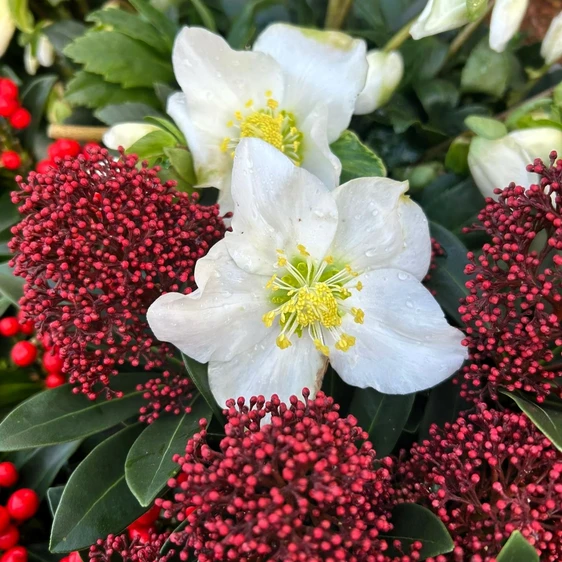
(384, 75)
(306, 276)
(439, 16)
(126, 134)
(296, 90)
(505, 22)
(551, 49)
(496, 163)
(38, 52)
(7, 26)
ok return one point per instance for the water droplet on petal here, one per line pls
(402, 276)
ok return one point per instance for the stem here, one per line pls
(337, 12)
(75, 132)
(399, 37)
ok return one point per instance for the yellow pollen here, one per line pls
(268, 93)
(359, 286)
(283, 342)
(302, 250)
(345, 342)
(329, 260)
(224, 144)
(272, 104)
(249, 103)
(324, 349)
(238, 116)
(358, 315)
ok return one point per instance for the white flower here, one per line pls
(384, 75)
(497, 163)
(551, 49)
(296, 90)
(38, 52)
(306, 276)
(7, 26)
(439, 16)
(126, 134)
(505, 22)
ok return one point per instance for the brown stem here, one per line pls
(75, 132)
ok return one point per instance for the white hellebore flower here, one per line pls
(126, 134)
(384, 75)
(496, 163)
(40, 53)
(439, 16)
(296, 90)
(505, 22)
(7, 26)
(551, 49)
(306, 276)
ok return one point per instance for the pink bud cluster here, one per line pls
(486, 475)
(131, 549)
(514, 310)
(100, 240)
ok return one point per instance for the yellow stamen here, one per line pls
(249, 103)
(283, 342)
(358, 315)
(345, 342)
(302, 250)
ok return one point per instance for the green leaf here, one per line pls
(486, 71)
(547, 416)
(12, 393)
(182, 162)
(40, 553)
(166, 125)
(96, 501)
(448, 278)
(9, 214)
(63, 32)
(456, 159)
(125, 113)
(437, 95)
(383, 416)
(412, 523)
(476, 8)
(357, 159)
(53, 497)
(11, 287)
(149, 463)
(517, 549)
(486, 127)
(163, 24)
(244, 27)
(152, 145)
(132, 26)
(423, 59)
(198, 374)
(58, 415)
(21, 15)
(205, 14)
(119, 59)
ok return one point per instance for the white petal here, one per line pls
(221, 318)
(505, 22)
(277, 206)
(551, 48)
(266, 369)
(539, 142)
(405, 344)
(369, 232)
(439, 16)
(322, 67)
(126, 134)
(45, 51)
(7, 26)
(385, 73)
(30, 62)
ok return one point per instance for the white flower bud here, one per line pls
(551, 49)
(126, 134)
(439, 16)
(506, 20)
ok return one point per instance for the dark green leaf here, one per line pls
(152, 145)
(198, 374)
(163, 24)
(486, 71)
(58, 415)
(96, 501)
(125, 113)
(149, 463)
(547, 417)
(63, 32)
(412, 523)
(486, 127)
(5, 303)
(518, 549)
(119, 59)
(357, 159)
(182, 162)
(423, 59)
(383, 416)
(244, 27)
(437, 95)
(12, 393)
(53, 497)
(11, 287)
(9, 214)
(205, 14)
(40, 553)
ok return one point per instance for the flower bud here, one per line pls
(38, 53)
(439, 16)
(497, 163)
(551, 49)
(506, 20)
(384, 75)
(126, 134)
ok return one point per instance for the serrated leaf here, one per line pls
(96, 501)
(149, 463)
(413, 523)
(382, 416)
(198, 374)
(160, 21)
(486, 127)
(58, 415)
(517, 549)
(357, 159)
(119, 59)
(182, 162)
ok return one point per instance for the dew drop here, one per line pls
(402, 276)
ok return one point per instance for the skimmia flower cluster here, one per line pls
(486, 475)
(99, 241)
(129, 549)
(514, 308)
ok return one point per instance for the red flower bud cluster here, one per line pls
(486, 475)
(136, 549)
(100, 240)
(514, 310)
(61, 148)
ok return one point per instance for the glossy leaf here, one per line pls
(11, 287)
(125, 113)
(152, 145)
(149, 463)
(486, 71)
(58, 415)
(383, 416)
(96, 500)
(63, 32)
(53, 497)
(517, 549)
(159, 20)
(486, 127)
(182, 162)
(198, 374)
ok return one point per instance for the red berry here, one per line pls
(74, 557)
(27, 328)
(8, 107)
(64, 147)
(43, 166)
(8, 89)
(20, 118)
(9, 326)
(148, 518)
(9, 538)
(4, 519)
(52, 361)
(11, 160)
(16, 554)
(23, 353)
(54, 379)
(8, 474)
(23, 504)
